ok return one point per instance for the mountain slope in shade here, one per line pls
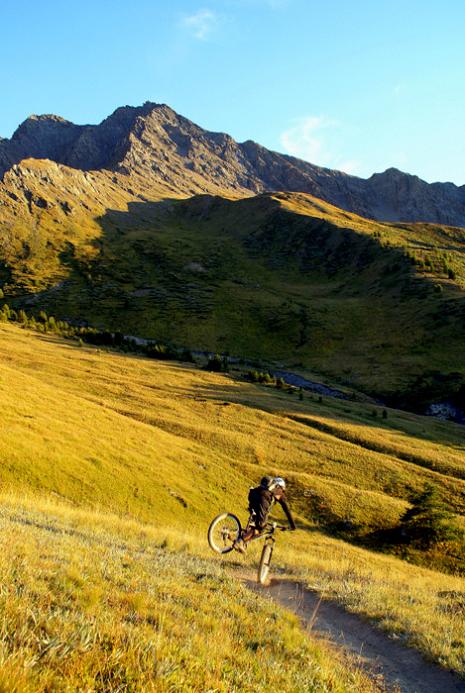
(154, 143)
(284, 276)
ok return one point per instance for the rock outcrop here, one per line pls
(154, 144)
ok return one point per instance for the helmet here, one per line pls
(266, 481)
(278, 482)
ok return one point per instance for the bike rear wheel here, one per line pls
(264, 565)
(223, 532)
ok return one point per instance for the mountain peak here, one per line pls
(46, 117)
(132, 112)
(391, 173)
(394, 172)
(36, 123)
(154, 145)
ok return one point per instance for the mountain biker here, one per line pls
(261, 499)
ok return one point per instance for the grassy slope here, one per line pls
(283, 277)
(170, 446)
(92, 602)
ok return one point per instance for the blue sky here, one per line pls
(359, 85)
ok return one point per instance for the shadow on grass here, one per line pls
(137, 276)
(153, 274)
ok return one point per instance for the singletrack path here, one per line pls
(400, 667)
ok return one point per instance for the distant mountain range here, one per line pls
(157, 147)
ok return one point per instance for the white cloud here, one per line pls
(301, 139)
(307, 139)
(200, 24)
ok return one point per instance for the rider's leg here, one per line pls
(241, 543)
(248, 534)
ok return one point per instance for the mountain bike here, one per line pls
(226, 529)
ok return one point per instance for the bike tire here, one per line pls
(264, 565)
(223, 532)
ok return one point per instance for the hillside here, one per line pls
(188, 417)
(98, 603)
(154, 143)
(111, 232)
(91, 436)
(280, 277)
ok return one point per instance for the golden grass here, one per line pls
(170, 446)
(91, 602)
(420, 607)
(128, 417)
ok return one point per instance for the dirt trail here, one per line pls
(402, 668)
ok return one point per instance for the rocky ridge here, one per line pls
(152, 147)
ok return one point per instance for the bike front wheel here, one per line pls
(223, 532)
(264, 565)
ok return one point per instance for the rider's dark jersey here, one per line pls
(261, 500)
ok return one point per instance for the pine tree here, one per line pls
(427, 522)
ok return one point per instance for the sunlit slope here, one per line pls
(169, 443)
(91, 602)
(49, 217)
(137, 456)
(282, 277)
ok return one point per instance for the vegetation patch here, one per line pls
(88, 602)
(109, 433)
(285, 278)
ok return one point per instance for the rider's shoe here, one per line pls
(240, 545)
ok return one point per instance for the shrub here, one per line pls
(160, 351)
(252, 376)
(225, 364)
(262, 377)
(427, 522)
(214, 364)
(186, 355)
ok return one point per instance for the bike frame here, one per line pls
(267, 534)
